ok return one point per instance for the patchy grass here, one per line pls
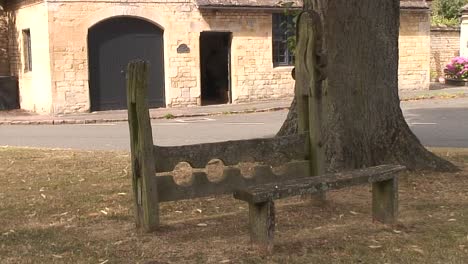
(169, 116)
(442, 95)
(62, 206)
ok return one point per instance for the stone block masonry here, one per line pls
(59, 81)
(445, 45)
(4, 64)
(69, 48)
(253, 76)
(34, 83)
(414, 48)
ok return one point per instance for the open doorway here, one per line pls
(215, 52)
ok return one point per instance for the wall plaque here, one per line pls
(183, 48)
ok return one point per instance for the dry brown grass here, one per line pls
(62, 206)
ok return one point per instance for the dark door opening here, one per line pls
(215, 49)
(111, 45)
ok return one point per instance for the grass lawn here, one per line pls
(63, 206)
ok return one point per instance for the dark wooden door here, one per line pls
(112, 44)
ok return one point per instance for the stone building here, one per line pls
(70, 55)
(4, 65)
(414, 46)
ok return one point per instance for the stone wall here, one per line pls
(34, 85)
(445, 45)
(414, 48)
(59, 30)
(253, 76)
(69, 24)
(4, 65)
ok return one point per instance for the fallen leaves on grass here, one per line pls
(435, 96)
(417, 249)
(11, 231)
(219, 233)
(375, 246)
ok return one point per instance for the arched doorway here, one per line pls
(114, 42)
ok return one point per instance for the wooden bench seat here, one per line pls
(384, 181)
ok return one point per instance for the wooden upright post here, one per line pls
(141, 143)
(385, 201)
(262, 225)
(308, 89)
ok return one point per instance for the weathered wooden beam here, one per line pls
(262, 225)
(385, 201)
(141, 144)
(232, 179)
(273, 151)
(310, 185)
(261, 206)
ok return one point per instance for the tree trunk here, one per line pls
(361, 121)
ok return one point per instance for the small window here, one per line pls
(27, 50)
(283, 28)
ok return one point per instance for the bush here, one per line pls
(449, 9)
(447, 12)
(457, 69)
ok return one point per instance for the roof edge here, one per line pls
(254, 8)
(415, 5)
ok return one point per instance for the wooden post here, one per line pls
(141, 143)
(308, 90)
(262, 225)
(385, 201)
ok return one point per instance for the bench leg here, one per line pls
(385, 201)
(262, 225)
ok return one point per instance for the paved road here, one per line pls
(438, 123)
(110, 136)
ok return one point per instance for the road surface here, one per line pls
(437, 123)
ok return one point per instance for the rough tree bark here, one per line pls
(362, 122)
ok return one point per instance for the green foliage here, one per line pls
(290, 24)
(437, 20)
(447, 12)
(449, 9)
(169, 116)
